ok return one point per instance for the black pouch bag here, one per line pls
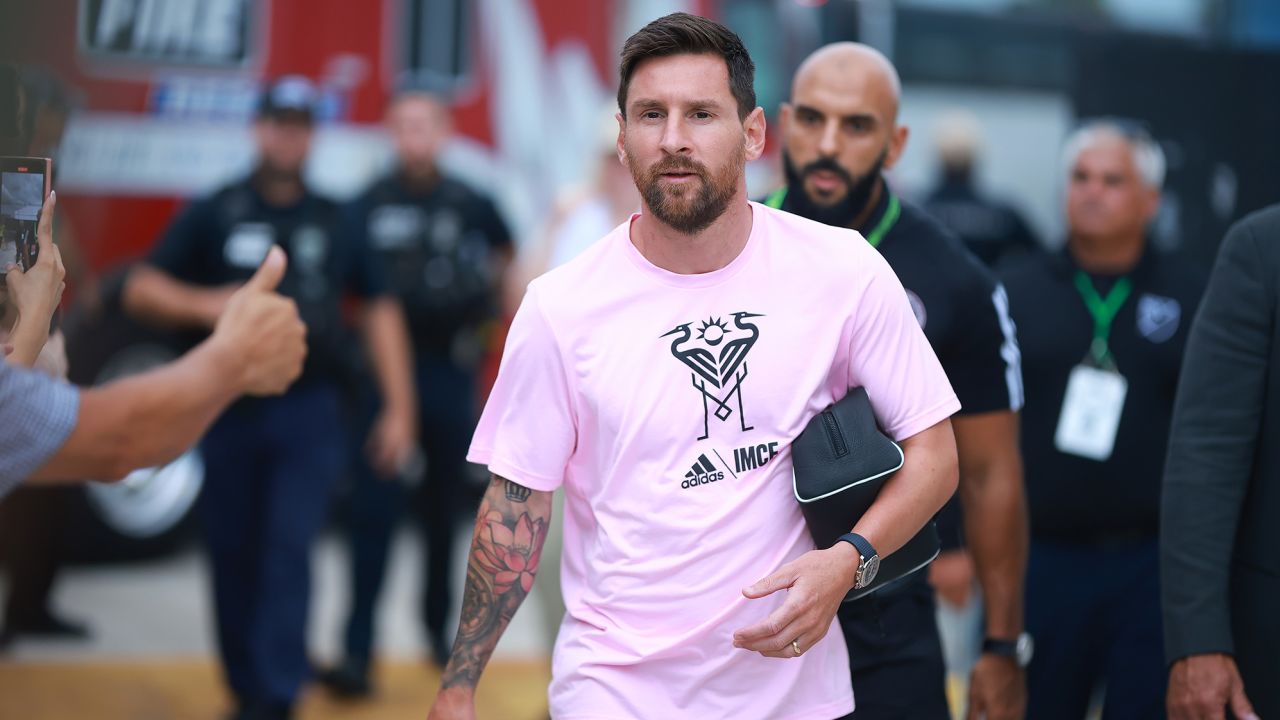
(841, 460)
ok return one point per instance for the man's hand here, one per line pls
(37, 292)
(391, 441)
(263, 332)
(997, 689)
(816, 583)
(1201, 686)
(454, 703)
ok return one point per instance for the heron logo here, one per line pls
(718, 358)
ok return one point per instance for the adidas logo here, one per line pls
(703, 472)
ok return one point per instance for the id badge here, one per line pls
(1091, 410)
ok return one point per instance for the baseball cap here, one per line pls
(289, 96)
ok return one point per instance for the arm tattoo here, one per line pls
(515, 491)
(505, 551)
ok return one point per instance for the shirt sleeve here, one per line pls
(890, 357)
(528, 430)
(178, 251)
(982, 359)
(38, 414)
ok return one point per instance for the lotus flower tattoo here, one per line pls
(511, 555)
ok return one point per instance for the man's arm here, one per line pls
(1212, 445)
(257, 347)
(818, 580)
(505, 548)
(995, 514)
(995, 522)
(156, 296)
(394, 433)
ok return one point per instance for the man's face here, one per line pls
(419, 127)
(683, 140)
(838, 133)
(1106, 197)
(283, 143)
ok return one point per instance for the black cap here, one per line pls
(290, 96)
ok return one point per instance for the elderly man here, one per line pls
(1102, 325)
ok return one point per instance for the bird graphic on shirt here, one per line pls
(721, 366)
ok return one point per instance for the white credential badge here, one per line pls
(1091, 409)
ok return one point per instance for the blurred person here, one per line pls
(34, 519)
(58, 433)
(445, 250)
(271, 464)
(1221, 499)
(840, 133)
(992, 230)
(674, 577)
(1102, 329)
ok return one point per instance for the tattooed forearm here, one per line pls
(505, 550)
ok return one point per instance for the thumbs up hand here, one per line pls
(263, 331)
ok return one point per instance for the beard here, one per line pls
(842, 211)
(691, 207)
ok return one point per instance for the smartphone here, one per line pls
(24, 184)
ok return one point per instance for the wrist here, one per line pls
(848, 558)
(223, 362)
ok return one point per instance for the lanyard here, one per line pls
(1103, 311)
(891, 214)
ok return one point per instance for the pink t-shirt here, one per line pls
(665, 405)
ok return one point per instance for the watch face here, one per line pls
(1025, 649)
(869, 571)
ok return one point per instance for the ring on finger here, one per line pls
(795, 646)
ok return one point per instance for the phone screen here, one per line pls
(22, 190)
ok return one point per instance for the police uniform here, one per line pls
(1092, 589)
(894, 650)
(438, 249)
(270, 463)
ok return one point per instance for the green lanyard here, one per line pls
(891, 214)
(1103, 311)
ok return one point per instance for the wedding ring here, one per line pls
(795, 645)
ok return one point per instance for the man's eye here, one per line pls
(702, 115)
(651, 115)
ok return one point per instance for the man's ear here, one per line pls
(622, 137)
(756, 133)
(897, 143)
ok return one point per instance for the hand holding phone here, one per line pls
(24, 185)
(35, 293)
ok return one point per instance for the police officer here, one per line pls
(839, 133)
(445, 250)
(1102, 323)
(270, 464)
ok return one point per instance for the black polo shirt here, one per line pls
(962, 309)
(437, 247)
(1072, 498)
(222, 239)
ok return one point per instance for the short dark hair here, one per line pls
(682, 33)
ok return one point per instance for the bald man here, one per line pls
(840, 133)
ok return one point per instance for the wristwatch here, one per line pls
(1019, 650)
(868, 560)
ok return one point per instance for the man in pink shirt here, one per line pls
(660, 378)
